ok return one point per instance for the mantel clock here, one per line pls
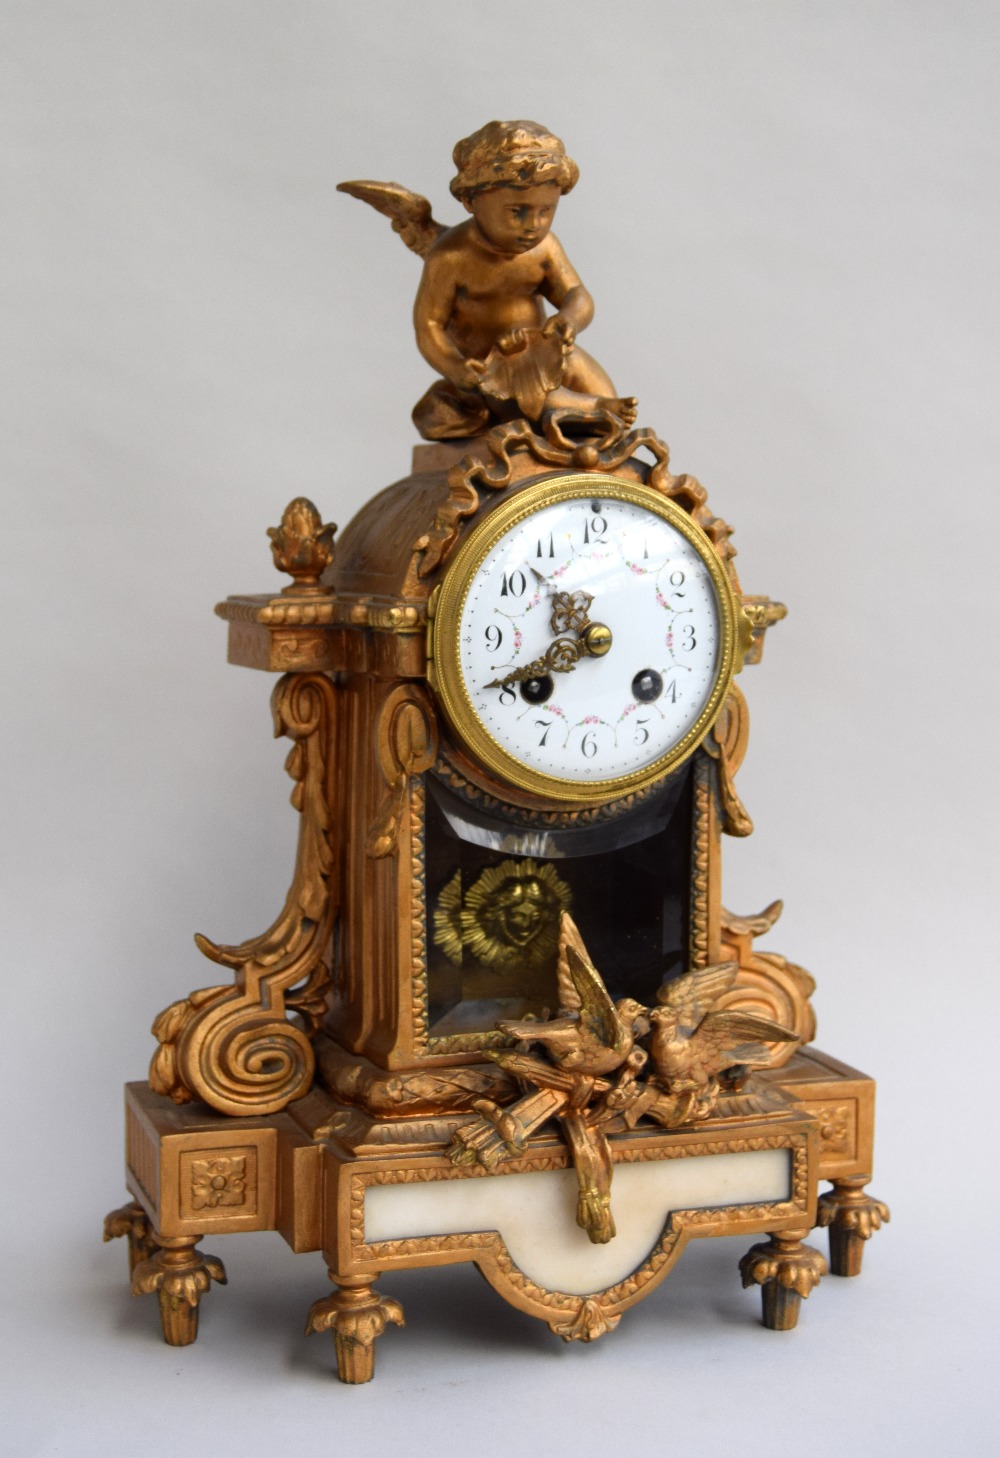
(503, 1015)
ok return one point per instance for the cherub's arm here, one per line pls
(431, 313)
(563, 288)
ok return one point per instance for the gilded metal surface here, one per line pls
(357, 1315)
(416, 1154)
(234, 1047)
(507, 453)
(768, 983)
(786, 1270)
(568, 1315)
(180, 1275)
(131, 1221)
(726, 744)
(762, 614)
(302, 546)
(406, 742)
(422, 1091)
(283, 1146)
(447, 676)
(693, 1052)
(853, 1216)
(508, 918)
(480, 314)
(473, 786)
(381, 615)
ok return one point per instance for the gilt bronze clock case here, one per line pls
(326, 1090)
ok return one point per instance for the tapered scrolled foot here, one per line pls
(131, 1220)
(180, 1275)
(357, 1316)
(853, 1218)
(786, 1271)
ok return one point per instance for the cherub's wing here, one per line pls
(410, 213)
(597, 1012)
(721, 1039)
(695, 993)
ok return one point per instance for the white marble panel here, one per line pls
(536, 1213)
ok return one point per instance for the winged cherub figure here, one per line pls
(692, 1049)
(480, 315)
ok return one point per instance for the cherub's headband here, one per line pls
(511, 154)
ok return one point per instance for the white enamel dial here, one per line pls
(617, 587)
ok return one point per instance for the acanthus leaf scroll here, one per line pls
(235, 1047)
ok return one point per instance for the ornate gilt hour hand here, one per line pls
(570, 614)
(562, 656)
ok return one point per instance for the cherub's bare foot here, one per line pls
(594, 407)
(626, 407)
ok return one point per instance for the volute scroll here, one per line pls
(234, 1047)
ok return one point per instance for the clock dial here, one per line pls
(591, 636)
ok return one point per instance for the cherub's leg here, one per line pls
(587, 388)
(582, 373)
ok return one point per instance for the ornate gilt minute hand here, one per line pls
(570, 613)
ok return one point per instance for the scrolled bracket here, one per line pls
(234, 1047)
(726, 744)
(768, 983)
(407, 744)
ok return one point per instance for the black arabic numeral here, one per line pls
(588, 745)
(641, 730)
(507, 696)
(546, 725)
(514, 584)
(540, 552)
(494, 637)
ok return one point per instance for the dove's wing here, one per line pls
(410, 213)
(552, 1031)
(569, 994)
(721, 1039)
(597, 1012)
(692, 994)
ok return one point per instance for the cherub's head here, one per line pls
(510, 177)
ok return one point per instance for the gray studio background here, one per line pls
(787, 216)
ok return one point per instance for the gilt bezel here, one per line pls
(448, 605)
